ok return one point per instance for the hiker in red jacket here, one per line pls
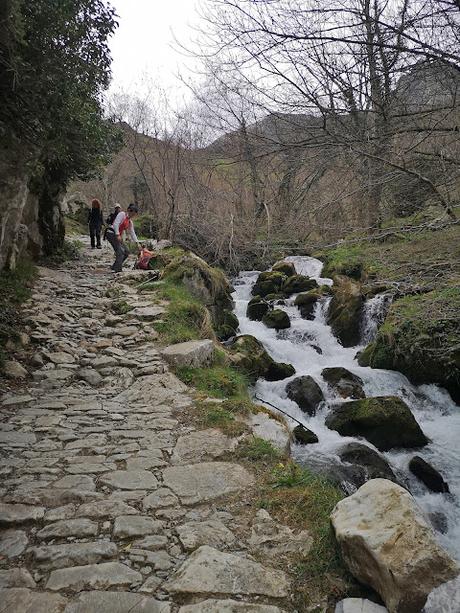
(122, 224)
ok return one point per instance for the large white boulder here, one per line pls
(190, 353)
(387, 544)
(445, 598)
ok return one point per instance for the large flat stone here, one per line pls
(13, 543)
(202, 445)
(228, 606)
(105, 508)
(73, 554)
(198, 483)
(16, 577)
(209, 571)
(212, 532)
(130, 480)
(97, 576)
(13, 514)
(23, 600)
(160, 498)
(17, 439)
(116, 602)
(129, 526)
(147, 313)
(78, 482)
(190, 353)
(69, 527)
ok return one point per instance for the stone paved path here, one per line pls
(109, 501)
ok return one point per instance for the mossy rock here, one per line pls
(306, 393)
(344, 382)
(225, 332)
(287, 268)
(421, 338)
(230, 319)
(275, 297)
(277, 319)
(269, 282)
(307, 302)
(304, 436)
(278, 371)
(345, 311)
(385, 421)
(298, 283)
(207, 284)
(249, 356)
(256, 309)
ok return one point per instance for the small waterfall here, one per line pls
(374, 313)
(310, 346)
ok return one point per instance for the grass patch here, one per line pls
(215, 381)
(15, 289)
(186, 318)
(215, 415)
(112, 292)
(295, 496)
(258, 450)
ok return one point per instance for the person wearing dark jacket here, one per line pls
(111, 218)
(95, 221)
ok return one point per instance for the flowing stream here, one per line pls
(310, 346)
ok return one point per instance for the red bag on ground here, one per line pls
(144, 258)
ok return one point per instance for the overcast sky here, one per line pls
(143, 45)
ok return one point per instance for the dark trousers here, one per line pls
(95, 234)
(120, 249)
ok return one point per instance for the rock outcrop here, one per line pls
(387, 544)
(385, 421)
(190, 353)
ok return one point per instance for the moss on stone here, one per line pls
(345, 308)
(298, 283)
(277, 319)
(385, 421)
(287, 268)
(269, 282)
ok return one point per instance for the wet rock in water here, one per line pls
(445, 598)
(345, 309)
(277, 319)
(256, 309)
(375, 466)
(191, 353)
(386, 543)
(307, 303)
(344, 382)
(385, 421)
(305, 392)
(304, 436)
(439, 521)
(278, 371)
(269, 282)
(287, 268)
(298, 283)
(428, 475)
(276, 298)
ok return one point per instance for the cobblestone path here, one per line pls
(109, 500)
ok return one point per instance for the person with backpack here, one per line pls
(95, 221)
(111, 218)
(123, 223)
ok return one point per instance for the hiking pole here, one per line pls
(281, 411)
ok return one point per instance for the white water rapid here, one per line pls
(310, 346)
